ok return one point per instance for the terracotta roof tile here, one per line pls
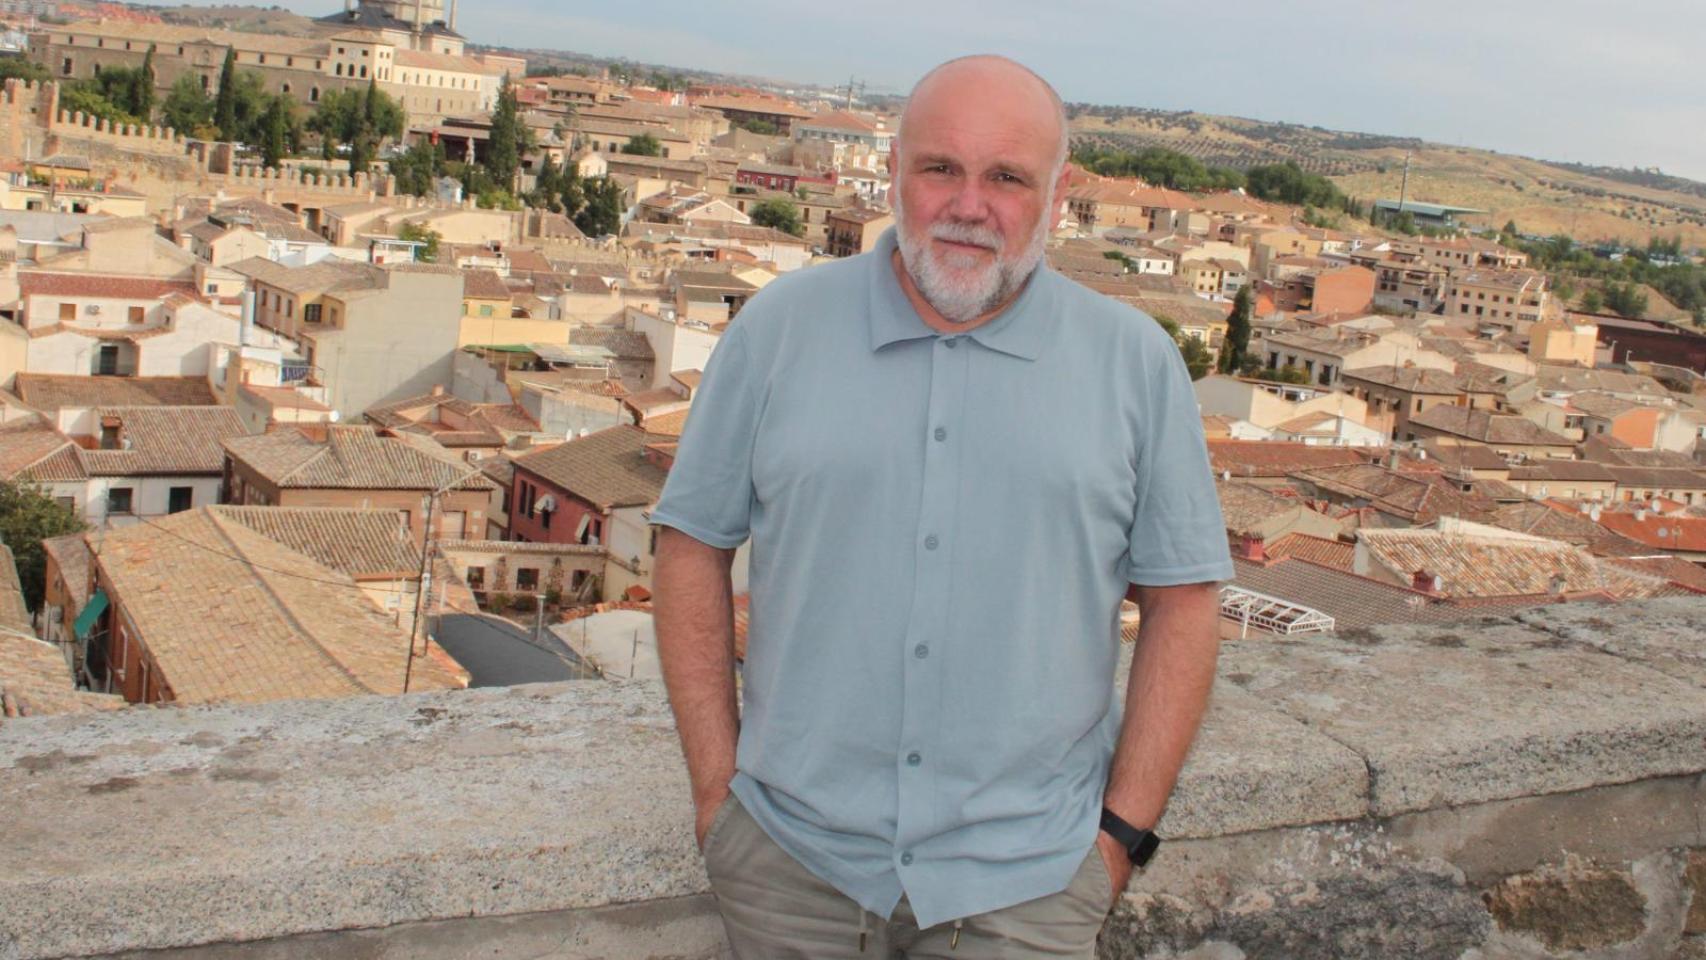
(164, 440)
(229, 615)
(1494, 566)
(351, 458)
(51, 392)
(1261, 458)
(366, 544)
(607, 468)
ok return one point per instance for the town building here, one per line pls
(353, 466)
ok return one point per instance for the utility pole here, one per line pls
(424, 584)
(1404, 185)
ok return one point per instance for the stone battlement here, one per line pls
(1510, 787)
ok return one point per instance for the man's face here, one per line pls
(974, 181)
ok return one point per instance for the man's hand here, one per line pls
(1116, 860)
(704, 812)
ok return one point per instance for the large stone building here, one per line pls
(409, 49)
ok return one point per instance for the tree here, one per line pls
(508, 139)
(362, 119)
(28, 516)
(88, 99)
(142, 99)
(1192, 350)
(1285, 374)
(418, 169)
(1626, 299)
(427, 236)
(601, 215)
(1592, 301)
(186, 108)
(1236, 348)
(761, 127)
(644, 145)
(225, 105)
(1510, 229)
(275, 131)
(780, 214)
(26, 70)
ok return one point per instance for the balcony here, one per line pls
(1526, 786)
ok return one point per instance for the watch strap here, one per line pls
(1139, 844)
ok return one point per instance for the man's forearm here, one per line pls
(1172, 671)
(694, 618)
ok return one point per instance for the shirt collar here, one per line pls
(1022, 330)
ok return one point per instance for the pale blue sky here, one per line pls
(1574, 80)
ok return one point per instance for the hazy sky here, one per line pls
(1559, 79)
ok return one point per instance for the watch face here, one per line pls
(1145, 848)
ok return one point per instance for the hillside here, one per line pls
(1543, 198)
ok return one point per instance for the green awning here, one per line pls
(91, 612)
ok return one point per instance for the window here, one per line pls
(313, 94)
(106, 360)
(311, 313)
(545, 518)
(67, 312)
(65, 67)
(138, 314)
(69, 503)
(485, 310)
(118, 500)
(476, 578)
(179, 499)
(109, 435)
(527, 579)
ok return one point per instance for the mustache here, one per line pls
(958, 232)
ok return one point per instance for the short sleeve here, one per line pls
(1177, 535)
(708, 493)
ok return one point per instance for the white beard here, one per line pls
(953, 283)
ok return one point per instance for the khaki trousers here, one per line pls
(774, 908)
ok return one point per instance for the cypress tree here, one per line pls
(225, 106)
(503, 155)
(142, 95)
(1237, 344)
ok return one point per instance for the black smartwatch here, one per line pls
(1139, 844)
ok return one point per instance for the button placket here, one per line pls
(932, 551)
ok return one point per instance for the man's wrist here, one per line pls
(1139, 843)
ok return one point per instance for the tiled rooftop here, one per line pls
(51, 392)
(351, 457)
(228, 614)
(607, 468)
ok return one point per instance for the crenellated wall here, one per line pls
(1505, 788)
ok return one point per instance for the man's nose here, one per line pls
(969, 202)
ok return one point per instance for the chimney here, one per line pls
(1556, 584)
(1253, 548)
(438, 389)
(1641, 515)
(1425, 582)
(248, 317)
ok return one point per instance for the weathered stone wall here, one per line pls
(1508, 788)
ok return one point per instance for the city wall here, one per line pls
(1510, 787)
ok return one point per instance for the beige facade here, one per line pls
(1512, 299)
(1562, 342)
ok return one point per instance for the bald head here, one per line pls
(989, 80)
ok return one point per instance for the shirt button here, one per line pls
(914, 758)
(930, 542)
(921, 651)
(951, 342)
(906, 859)
(941, 433)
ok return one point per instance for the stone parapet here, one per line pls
(1504, 788)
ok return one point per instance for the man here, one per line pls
(952, 464)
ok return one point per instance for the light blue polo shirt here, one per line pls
(942, 527)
